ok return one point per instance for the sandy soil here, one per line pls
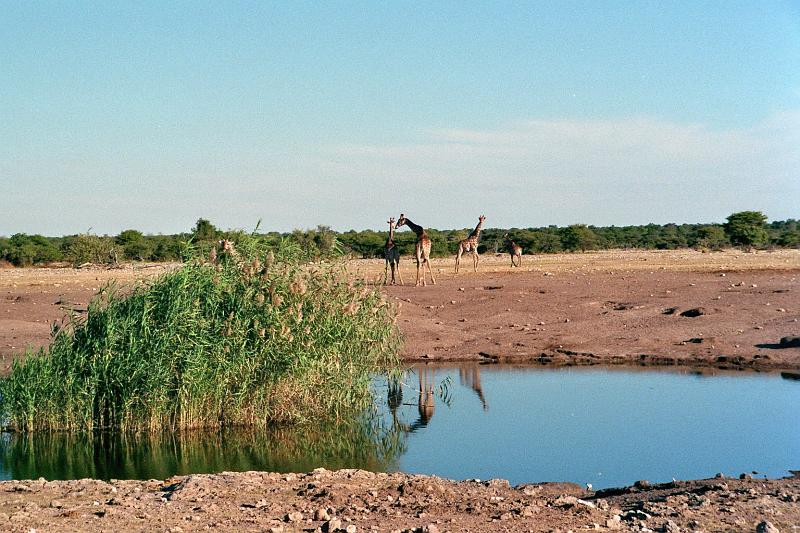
(606, 307)
(353, 500)
(597, 308)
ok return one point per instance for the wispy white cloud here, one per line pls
(631, 170)
(528, 173)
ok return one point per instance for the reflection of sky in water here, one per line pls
(605, 427)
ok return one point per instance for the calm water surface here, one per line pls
(605, 427)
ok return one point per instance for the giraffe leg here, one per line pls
(399, 274)
(430, 271)
(458, 256)
(475, 259)
(386, 272)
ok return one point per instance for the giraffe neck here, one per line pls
(476, 233)
(419, 230)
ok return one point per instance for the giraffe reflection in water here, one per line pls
(469, 376)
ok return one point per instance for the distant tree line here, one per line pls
(747, 229)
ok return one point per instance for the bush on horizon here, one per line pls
(258, 338)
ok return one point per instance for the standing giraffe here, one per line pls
(470, 376)
(422, 248)
(392, 254)
(514, 249)
(470, 244)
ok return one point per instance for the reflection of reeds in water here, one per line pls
(361, 444)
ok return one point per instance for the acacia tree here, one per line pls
(747, 229)
(204, 230)
(578, 237)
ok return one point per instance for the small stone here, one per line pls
(670, 527)
(321, 515)
(791, 341)
(642, 484)
(635, 514)
(766, 527)
(293, 517)
(430, 528)
(331, 525)
(351, 529)
(613, 523)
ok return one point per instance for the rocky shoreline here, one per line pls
(357, 500)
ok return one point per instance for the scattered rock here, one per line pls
(670, 527)
(766, 527)
(635, 514)
(790, 342)
(332, 525)
(696, 311)
(321, 515)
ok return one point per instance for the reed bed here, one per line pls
(250, 337)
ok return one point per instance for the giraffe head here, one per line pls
(391, 222)
(401, 220)
(481, 219)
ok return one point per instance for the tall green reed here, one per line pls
(253, 337)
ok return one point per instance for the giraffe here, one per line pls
(422, 249)
(426, 404)
(470, 376)
(470, 244)
(392, 254)
(514, 249)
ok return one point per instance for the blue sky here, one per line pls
(136, 115)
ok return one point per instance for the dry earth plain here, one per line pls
(616, 307)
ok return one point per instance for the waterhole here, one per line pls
(607, 427)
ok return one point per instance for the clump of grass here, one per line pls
(251, 338)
